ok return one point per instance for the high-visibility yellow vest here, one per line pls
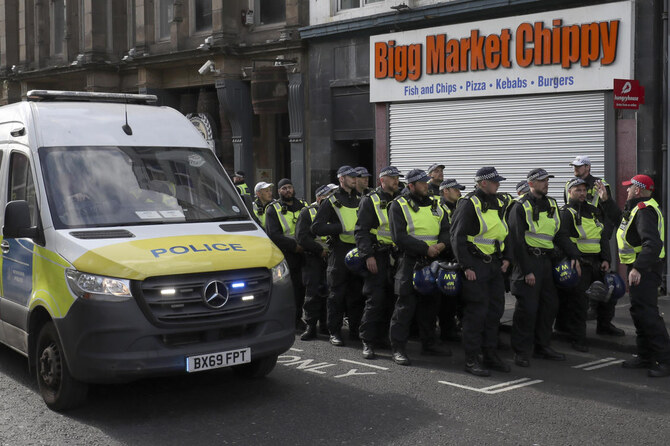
(287, 218)
(423, 224)
(243, 188)
(541, 232)
(383, 231)
(627, 252)
(348, 217)
(260, 213)
(492, 229)
(589, 230)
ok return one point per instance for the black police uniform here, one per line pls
(313, 271)
(449, 308)
(408, 300)
(653, 344)
(536, 306)
(345, 286)
(484, 298)
(377, 289)
(288, 246)
(574, 303)
(611, 215)
(434, 190)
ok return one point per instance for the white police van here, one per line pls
(126, 250)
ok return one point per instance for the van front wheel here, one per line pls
(58, 389)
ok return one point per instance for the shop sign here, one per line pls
(579, 49)
(628, 94)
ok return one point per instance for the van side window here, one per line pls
(21, 184)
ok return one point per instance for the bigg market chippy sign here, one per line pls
(578, 49)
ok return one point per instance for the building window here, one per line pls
(351, 4)
(58, 26)
(165, 14)
(270, 11)
(203, 15)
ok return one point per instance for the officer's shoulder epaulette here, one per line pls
(469, 195)
(524, 198)
(641, 205)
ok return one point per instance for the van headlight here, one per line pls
(280, 272)
(94, 287)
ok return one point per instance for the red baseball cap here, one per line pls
(642, 181)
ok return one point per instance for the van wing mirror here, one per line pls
(17, 221)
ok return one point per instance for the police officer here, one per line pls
(640, 239)
(282, 215)
(450, 191)
(336, 218)
(583, 224)
(238, 180)
(363, 181)
(263, 193)
(373, 239)
(479, 236)
(602, 311)
(436, 174)
(534, 230)
(420, 229)
(314, 269)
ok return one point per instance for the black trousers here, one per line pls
(295, 263)
(408, 304)
(483, 306)
(345, 291)
(536, 307)
(316, 289)
(604, 311)
(652, 335)
(447, 315)
(574, 304)
(378, 294)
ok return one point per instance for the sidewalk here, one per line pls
(622, 319)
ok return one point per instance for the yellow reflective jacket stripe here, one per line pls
(589, 232)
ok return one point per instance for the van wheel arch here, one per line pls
(38, 317)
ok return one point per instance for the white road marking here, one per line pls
(364, 364)
(600, 361)
(605, 365)
(497, 388)
(296, 349)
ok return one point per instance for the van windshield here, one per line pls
(123, 186)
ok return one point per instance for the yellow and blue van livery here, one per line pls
(126, 251)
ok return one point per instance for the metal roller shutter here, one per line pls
(514, 134)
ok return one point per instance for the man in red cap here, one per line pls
(640, 239)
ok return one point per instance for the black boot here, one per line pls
(473, 365)
(493, 361)
(400, 356)
(368, 351)
(309, 333)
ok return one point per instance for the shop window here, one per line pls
(164, 16)
(270, 11)
(203, 15)
(351, 4)
(57, 26)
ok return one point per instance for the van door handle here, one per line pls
(4, 246)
